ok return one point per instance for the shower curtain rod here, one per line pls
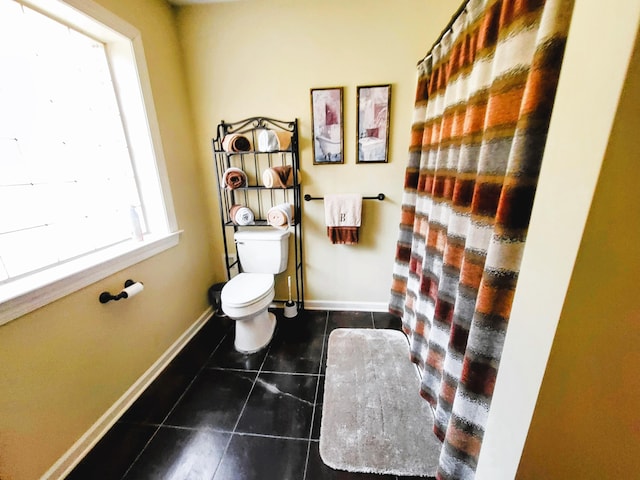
(446, 29)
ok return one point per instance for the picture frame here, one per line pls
(327, 123)
(374, 106)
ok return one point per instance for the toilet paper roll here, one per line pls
(133, 290)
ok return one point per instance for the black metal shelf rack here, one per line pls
(254, 194)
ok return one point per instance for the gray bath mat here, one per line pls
(373, 419)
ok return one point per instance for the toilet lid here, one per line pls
(246, 288)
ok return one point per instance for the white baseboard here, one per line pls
(346, 306)
(78, 450)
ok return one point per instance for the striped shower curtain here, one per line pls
(483, 104)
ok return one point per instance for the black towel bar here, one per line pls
(380, 196)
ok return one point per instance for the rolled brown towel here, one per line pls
(236, 143)
(278, 177)
(234, 178)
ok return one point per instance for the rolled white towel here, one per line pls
(272, 140)
(241, 215)
(280, 216)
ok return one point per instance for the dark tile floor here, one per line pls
(216, 414)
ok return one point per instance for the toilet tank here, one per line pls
(263, 250)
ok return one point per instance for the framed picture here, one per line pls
(328, 126)
(374, 103)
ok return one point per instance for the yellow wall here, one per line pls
(576, 284)
(586, 423)
(262, 58)
(64, 365)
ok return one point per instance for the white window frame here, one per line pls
(133, 90)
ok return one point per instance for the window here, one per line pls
(81, 172)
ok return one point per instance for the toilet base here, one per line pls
(254, 333)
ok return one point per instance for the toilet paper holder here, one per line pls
(131, 288)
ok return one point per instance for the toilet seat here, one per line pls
(246, 289)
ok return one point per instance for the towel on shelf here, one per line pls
(236, 143)
(241, 215)
(280, 216)
(343, 216)
(281, 176)
(273, 140)
(234, 178)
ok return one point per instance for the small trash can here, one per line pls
(214, 297)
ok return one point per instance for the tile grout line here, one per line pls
(195, 377)
(265, 435)
(174, 405)
(124, 475)
(233, 432)
(315, 399)
(278, 372)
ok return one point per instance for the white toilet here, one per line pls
(246, 297)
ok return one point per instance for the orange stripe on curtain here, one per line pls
(483, 102)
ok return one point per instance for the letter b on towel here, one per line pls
(343, 210)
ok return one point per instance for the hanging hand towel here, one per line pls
(234, 178)
(342, 214)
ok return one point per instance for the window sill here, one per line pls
(30, 293)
